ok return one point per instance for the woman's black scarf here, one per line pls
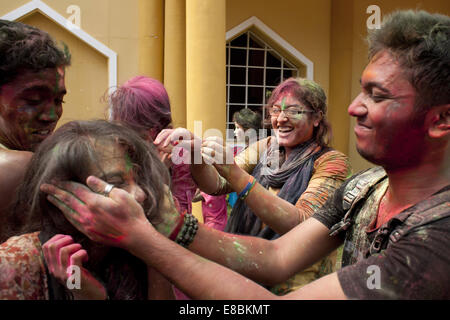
(292, 177)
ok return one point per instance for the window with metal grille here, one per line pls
(254, 69)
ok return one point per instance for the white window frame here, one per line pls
(246, 27)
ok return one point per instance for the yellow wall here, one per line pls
(114, 23)
(304, 24)
(86, 78)
(341, 47)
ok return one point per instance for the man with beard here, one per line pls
(394, 220)
(31, 96)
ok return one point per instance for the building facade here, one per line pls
(213, 56)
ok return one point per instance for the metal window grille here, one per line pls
(254, 69)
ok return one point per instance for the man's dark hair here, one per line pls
(420, 42)
(23, 47)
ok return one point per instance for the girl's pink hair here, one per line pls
(142, 103)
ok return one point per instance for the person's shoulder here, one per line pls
(252, 152)
(261, 144)
(21, 244)
(20, 255)
(334, 162)
(332, 154)
(22, 269)
(12, 159)
(356, 183)
(13, 165)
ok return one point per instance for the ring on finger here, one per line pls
(108, 189)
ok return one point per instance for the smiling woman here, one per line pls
(74, 152)
(284, 179)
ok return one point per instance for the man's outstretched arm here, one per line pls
(118, 220)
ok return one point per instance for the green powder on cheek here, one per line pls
(52, 113)
(300, 116)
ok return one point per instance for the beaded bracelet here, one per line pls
(244, 193)
(188, 231)
(176, 231)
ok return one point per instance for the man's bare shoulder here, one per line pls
(13, 165)
(10, 159)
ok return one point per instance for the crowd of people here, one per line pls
(108, 197)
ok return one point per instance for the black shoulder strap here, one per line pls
(435, 208)
(354, 192)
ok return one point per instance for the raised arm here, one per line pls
(330, 171)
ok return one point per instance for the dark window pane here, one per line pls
(272, 60)
(256, 58)
(255, 76)
(288, 74)
(258, 109)
(255, 95)
(237, 75)
(254, 43)
(287, 65)
(269, 93)
(240, 41)
(232, 110)
(273, 77)
(238, 57)
(237, 94)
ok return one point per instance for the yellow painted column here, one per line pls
(205, 64)
(151, 38)
(175, 59)
(205, 69)
(340, 72)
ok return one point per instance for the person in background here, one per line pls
(244, 120)
(143, 104)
